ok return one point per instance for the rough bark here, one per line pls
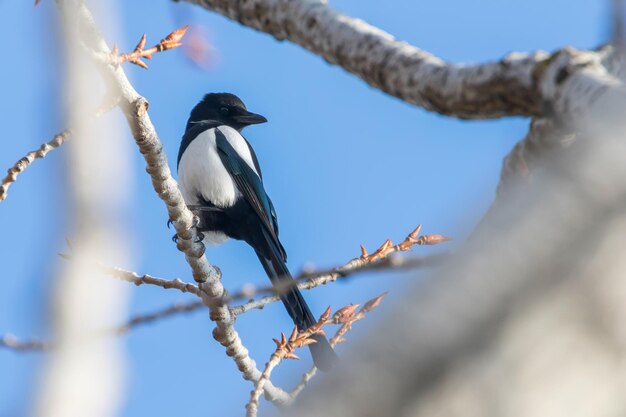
(521, 84)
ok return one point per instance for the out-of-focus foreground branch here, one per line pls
(528, 319)
(83, 300)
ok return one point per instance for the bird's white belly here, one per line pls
(214, 238)
(201, 173)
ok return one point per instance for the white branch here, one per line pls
(567, 82)
(495, 89)
(138, 280)
(58, 140)
(208, 276)
(253, 404)
(23, 163)
(86, 379)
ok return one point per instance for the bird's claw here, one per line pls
(199, 237)
(169, 223)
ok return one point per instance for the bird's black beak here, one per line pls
(249, 118)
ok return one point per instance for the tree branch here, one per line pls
(567, 82)
(306, 281)
(135, 278)
(544, 136)
(338, 338)
(285, 348)
(25, 162)
(491, 90)
(13, 343)
(80, 301)
(376, 260)
(58, 140)
(208, 276)
(171, 41)
(177, 308)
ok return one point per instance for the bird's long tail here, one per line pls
(323, 354)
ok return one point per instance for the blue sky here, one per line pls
(344, 164)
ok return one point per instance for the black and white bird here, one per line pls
(220, 177)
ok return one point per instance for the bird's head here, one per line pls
(228, 109)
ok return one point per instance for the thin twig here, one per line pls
(135, 278)
(25, 162)
(306, 281)
(357, 264)
(138, 280)
(13, 343)
(58, 140)
(284, 350)
(177, 308)
(171, 41)
(338, 338)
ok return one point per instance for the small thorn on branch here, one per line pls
(171, 41)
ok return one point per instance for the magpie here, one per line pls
(220, 178)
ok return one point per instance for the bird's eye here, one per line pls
(224, 110)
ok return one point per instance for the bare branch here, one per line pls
(245, 292)
(138, 280)
(171, 41)
(13, 343)
(285, 349)
(253, 403)
(25, 162)
(177, 308)
(567, 82)
(377, 260)
(544, 136)
(338, 337)
(208, 276)
(58, 140)
(81, 302)
(489, 90)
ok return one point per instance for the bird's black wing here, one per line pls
(251, 187)
(273, 261)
